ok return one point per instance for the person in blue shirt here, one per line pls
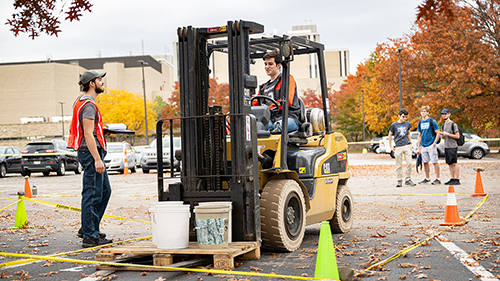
(428, 137)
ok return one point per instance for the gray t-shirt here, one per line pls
(401, 131)
(450, 142)
(89, 111)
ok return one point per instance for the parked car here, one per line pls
(115, 157)
(149, 160)
(374, 145)
(474, 147)
(49, 156)
(10, 160)
(138, 153)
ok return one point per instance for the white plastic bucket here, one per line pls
(152, 210)
(170, 226)
(216, 204)
(212, 226)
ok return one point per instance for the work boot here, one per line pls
(94, 242)
(400, 183)
(435, 182)
(410, 183)
(425, 181)
(80, 234)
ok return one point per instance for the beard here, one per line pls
(99, 90)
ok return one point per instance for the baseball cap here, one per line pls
(445, 111)
(89, 75)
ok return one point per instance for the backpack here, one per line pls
(432, 129)
(461, 140)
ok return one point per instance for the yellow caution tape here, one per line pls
(75, 209)
(11, 263)
(212, 271)
(6, 198)
(10, 205)
(79, 195)
(411, 194)
(487, 139)
(406, 250)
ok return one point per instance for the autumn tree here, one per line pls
(218, 95)
(456, 66)
(120, 106)
(44, 16)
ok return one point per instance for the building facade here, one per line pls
(45, 91)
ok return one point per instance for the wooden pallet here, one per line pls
(223, 258)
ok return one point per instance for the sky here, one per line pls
(126, 27)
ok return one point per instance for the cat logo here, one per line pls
(341, 156)
(326, 168)
(302, 170)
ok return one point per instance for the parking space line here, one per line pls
(471, 264)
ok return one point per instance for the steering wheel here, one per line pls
(273, 110)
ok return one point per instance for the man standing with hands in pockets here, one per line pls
(401, 132)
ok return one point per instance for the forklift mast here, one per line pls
(206, 174)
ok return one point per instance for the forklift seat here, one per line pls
(305, 128)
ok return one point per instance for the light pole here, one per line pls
(144, 92)
(400, 87)
(62, 117)
(363, 103)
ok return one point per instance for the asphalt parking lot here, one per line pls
(387, 220)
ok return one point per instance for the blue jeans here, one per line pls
(95, 193)
(293, 125)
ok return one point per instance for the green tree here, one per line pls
(159, 103)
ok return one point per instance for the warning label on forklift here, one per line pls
(249, 136)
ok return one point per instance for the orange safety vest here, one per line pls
(76, 129)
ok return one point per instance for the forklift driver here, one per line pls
(272, 89)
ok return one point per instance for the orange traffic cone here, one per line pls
(479, 191)
(451, 216)
(125, 163)
(27, 188)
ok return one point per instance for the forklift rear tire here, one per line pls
(282, 215)
(343, 217)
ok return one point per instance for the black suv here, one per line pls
(49, 156)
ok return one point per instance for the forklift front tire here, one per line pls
(282, 215)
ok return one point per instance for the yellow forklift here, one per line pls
(277, 183)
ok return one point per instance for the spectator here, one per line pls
(428, 137)
(450, 134)
(401, 132)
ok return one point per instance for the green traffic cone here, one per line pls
(21, 218)
(326, 262)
